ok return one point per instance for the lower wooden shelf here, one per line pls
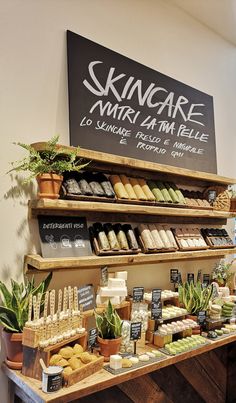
(101, 380)
(36, 262)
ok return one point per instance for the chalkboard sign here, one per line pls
(92, 337)
(64, 236)
(104, 276)
(119, 106)
(156, 305)
(86, 297)
(138, 294)
(201, 318)
(190, 277)
(180, 279)
(135, 330)
(174, 275)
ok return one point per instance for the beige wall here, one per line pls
(33, 92)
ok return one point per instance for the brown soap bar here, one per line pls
(137, 189)
(128, 187)
(146, 189)
(118, 187)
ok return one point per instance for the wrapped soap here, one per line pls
(128, 187)
(146, 236)
(137, 189)
(101, 236)
(72, 186)
(121, 236)
(146, 190)
(118, 187)
(113, 241)
(106, 184)
(94, 184)
(164, 236)
(130, 236)
(156, 236)
(84, 186)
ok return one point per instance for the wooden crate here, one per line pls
(31, 356)
(84, 371)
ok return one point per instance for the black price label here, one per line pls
(92, 337)
(104, 276)
(180, 279)
(206, 279)
(174, 274)
(201, 317)
(156, 306)
(86, 297)
(135, 330)
(190, 277)
(215, 293)
(138, 294)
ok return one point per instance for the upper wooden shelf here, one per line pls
(69, 207)
(91, 262)
(98, 156)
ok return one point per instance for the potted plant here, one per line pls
(14, 314)
(221, 273)
(48, 166)
(109, 326)
(195, 298)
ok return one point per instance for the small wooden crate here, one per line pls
(31, 366)
(84, 371)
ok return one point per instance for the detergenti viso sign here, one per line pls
(120, 106)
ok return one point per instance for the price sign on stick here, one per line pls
(138, 294)
(135, 333)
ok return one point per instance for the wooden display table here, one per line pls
(208, 371)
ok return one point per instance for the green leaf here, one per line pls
(8, 316)
(6, 295)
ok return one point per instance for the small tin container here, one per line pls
(52, 379)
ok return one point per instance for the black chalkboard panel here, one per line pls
(64, 236)
(119, 106)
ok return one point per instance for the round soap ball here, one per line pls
(67, 371)
(55, 358)
(134, 360)
(66, 352)
(144, 357)
(77, 349)
(86, 357)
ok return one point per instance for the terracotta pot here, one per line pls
(109, 346)
(232, 204)
(192, 316)
(14, 349)
(49, 185)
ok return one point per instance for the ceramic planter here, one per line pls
(14, 349)
(49, 185)
(109, 346)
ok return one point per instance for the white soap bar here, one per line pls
(104, 300)
(115, 361)
(122, 274)
(116, 282)
(112, 292)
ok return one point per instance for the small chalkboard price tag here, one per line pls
(138, 294)
(156, 306)
(206, 279)
(86, 297)
(174, 273)
(104, 276)
(180, 279)
(190, 277)
(135, 331)
(215, 293)
(201, 318)
(92, 338)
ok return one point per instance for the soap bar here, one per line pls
(128, 187)
(122, 274)
(115, 361)
(116, 282)
(146, 236)
(137, 189)
(146, 189)
(112, 292)
(118, 187)
(156, 236)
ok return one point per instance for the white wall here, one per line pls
(33, 88)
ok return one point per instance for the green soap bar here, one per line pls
(178, 193)
(164, 192)
(172, 193)
(219, 332)
(228, 304)
(156, 191)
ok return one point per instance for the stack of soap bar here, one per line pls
(115, 291)
(122, 274)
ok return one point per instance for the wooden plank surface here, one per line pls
(103, 379)
(70, 207)
(145, 165)
(90, 262)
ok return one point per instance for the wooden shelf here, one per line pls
(91, 262)
(103, 379)
(112, 159)
(71, 207)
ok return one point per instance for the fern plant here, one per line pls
(15, 302)
(54, 159)
(195, 297)
(109, 324)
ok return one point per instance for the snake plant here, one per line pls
(195, 297)
(109, 324)
(15, 302)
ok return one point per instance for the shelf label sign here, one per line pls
(135, 330)
(138, 294)
(156, 305)
(86, 297)
(92, 338)
(104, 276)
(119, 106)
(190, 277)
(174, 275)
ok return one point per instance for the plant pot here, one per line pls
(109, 346)
(14, 349)
(49, 185)
(192, 317)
